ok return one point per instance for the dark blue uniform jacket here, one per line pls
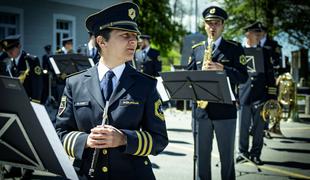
(134, 109)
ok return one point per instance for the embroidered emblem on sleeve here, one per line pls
(242, 60)
(158, 110)
(62, 105)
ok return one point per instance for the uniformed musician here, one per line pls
(135, 125)
(147, 58)
(24, 66)
(215, 117)
(253, 94)
(27, 68)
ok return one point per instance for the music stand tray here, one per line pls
(70, 63)
(197, 85)
(27, 136)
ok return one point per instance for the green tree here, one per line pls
(155, 19)
(286, 16)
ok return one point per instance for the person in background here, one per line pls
(147, 58)
(27, 68)
(134, 126)
(91, 48)
(47, 70)
(218, 118)
(252, 96)
(67, 46)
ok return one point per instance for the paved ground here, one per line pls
(285, 157)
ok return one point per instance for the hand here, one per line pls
(105, 136)
(215, 66)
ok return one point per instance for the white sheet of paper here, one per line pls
(53, 139)
(55, 67)
(161, 89)
(233, 98)
(91, 62)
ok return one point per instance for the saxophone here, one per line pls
(206, 59)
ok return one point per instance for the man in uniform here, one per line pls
(135, 125)
(27, 68)
(24, 66)
(273, 46)
(227, 56)
(252, 95)
(67, 46)
(147, 58)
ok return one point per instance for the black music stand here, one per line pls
(197, 85)
(27, 136)
(254, 60)
(70, 63)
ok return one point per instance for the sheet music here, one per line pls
(55, 67)
(50, 132)
(233, 98)
(161, 89)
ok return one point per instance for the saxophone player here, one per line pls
(217, 118)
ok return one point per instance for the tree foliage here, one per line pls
(285, 16)
(155, 19)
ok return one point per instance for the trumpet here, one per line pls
(206, 59)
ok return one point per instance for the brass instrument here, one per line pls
(272, 112)
(206, 59)
(287, 95)
(23, 75)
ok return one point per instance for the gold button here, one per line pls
(252, 78)
(104, 169)
(146, 163)
(104, 151)
(252, 85)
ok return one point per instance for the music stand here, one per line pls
(70, 63)
(27, 136)
(254, 60)
(212, 86)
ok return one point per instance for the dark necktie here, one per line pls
(14, 68)
(107, 85)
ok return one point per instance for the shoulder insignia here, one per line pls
(37, 70)
(233, 42)
(242, 60)
(76, 73)
(158, 110)
(146, 75)
(198, 44)
(63, 105)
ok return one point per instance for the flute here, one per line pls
(91, 172)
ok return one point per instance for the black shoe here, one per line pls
(267, 135)
(257, 160)
(241, 158)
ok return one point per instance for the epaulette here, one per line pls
(146, 75)
(233, 42)
(30, 56)
(198, 44)
(76, 73)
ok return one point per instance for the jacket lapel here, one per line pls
(93, 85)
(125, 82)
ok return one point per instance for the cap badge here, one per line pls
(212, 11)
(5, 43)
(131, 13)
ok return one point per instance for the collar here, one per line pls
(263, 40)
(217, 42)
(146, 50)
(118, 70)
(18, 57)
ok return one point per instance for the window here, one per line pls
(63, 28)
(9, 24)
